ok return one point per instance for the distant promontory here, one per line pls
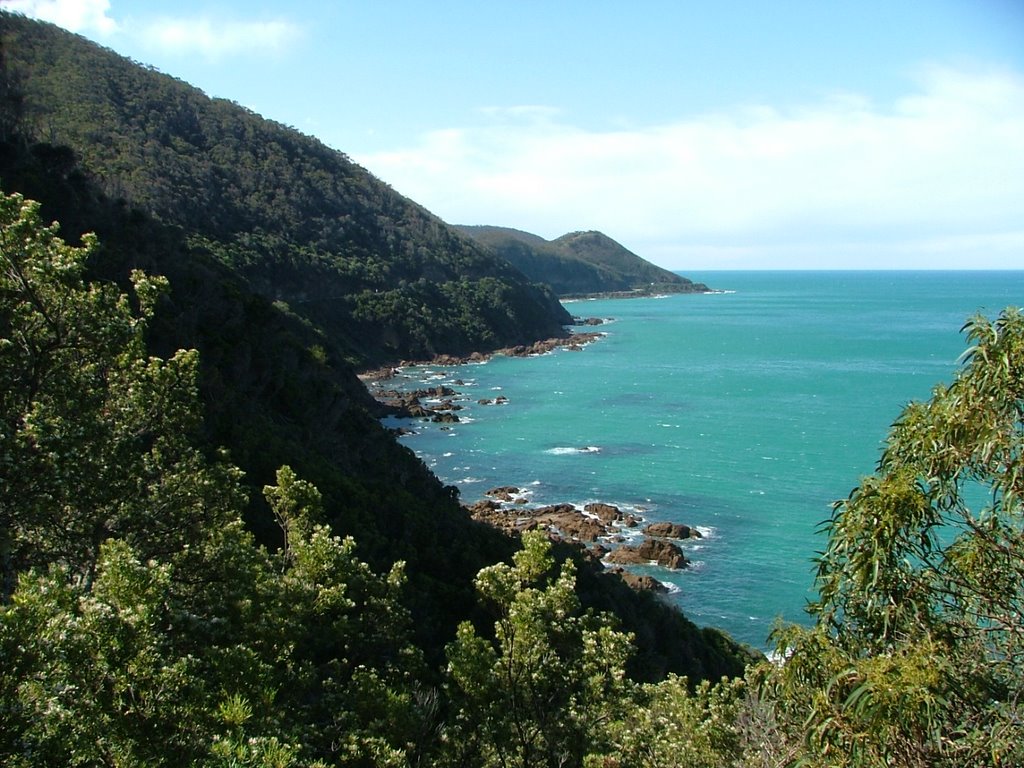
(580, 263)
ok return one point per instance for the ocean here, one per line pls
(745, 413)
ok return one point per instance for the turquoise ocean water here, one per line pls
(745, 413)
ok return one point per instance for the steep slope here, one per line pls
(277, 382)
(298, 220)
(276, 390)
(580, 263)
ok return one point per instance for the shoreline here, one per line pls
(614, 539)
(574, 342)
(654, 290)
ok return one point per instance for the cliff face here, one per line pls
(580, 263)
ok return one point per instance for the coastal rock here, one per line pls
(447, 405)
(444, 360)
(409, 405)
(446, 417)
(664, 553)
(606, 513)
(483, 507)
(574, 341)
(503, 493)
(573, 525)
(641, 583)
(672, 531)
(500, 400)
(565, 521)
(492, 513)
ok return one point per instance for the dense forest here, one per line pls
(297, 220)
(580, 263)
(213, 554)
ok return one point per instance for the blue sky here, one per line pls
(710, 135)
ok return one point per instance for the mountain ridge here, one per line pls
(298, 220)
(582, 263)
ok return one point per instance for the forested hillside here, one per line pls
(580, 263)
(298, 220)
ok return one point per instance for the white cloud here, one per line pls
(944, 164)
(215, 39)
(73, 15)
(211, 38)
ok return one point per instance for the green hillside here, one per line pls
(580, 263)
(298, 220)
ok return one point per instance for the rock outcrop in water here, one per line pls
(658, 551)
(671, 531)
(598, 524)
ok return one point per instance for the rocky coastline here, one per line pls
(618, 540)
(410, 405)
(602, 531)
(575, 341)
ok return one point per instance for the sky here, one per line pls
(795, 134)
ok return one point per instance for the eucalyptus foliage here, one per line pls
(917, 655)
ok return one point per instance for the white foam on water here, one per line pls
(569, 450)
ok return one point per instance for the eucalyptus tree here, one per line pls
(917, 656)
(544, 687)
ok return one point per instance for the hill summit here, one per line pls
(580, 263)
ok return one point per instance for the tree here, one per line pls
(668, 724)
(544, 690)
(917, 656)
(348, 675)
(127, 573)
(140, 623)
(95, 436)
